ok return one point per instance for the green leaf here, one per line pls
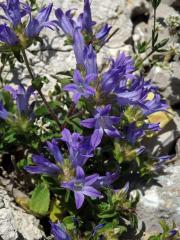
(55, 212)
(37, 83)
(161, 44)
(164, 226)
(40, 200)
(117, 152)
(107, 215)
(24, 162)
(69, 223)
(154, 238)
(142, 47)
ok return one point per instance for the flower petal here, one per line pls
(79, 199)
(88, 123)
(96, 137)
(91, 192)
(80, 173)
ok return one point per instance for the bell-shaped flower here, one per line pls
(3, 112)
(7, 36)
(133, 133)
(107, 180)
(87, 21)
(78, 46)
(102, 123)
(43, 166)
(81, 87)
(103, 33)
(59, 232)
(116, 77)
(90, 60)
(22, 96)
(36, 24)
(65, 21)
(14, 10)
(79, 147)
(82, 186)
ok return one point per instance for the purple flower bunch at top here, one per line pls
(14, 11)
(22, 96)
(84, 23)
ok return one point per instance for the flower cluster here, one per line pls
(13, 32)
(70, 170)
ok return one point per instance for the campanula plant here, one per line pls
(80, 144)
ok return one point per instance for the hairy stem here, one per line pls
(53, 115)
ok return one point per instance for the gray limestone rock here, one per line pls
(173, 3)
(15, 224)
(168, 81)
(162, 201)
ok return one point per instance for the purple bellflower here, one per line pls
(107, 180)
(82, 186)
(90, 60)
(137, 95)
(59, 232)
(43, 166)
(155, 105)
(14, 10)
(80, 87)
(161, 161)
(3, 112)
(87, 22)
(84, 23)
(65, 21)
(102, 123)
(36, 24)
(116, 77)
(132, 133)
(21, 96)
(79, 147)
(103, 33)
(79, 153)
(85, 55)
(7, 36)
(79, 46)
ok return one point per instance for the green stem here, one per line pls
(144, 59)
(154, 30)
(53, 115)
(69, 114)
